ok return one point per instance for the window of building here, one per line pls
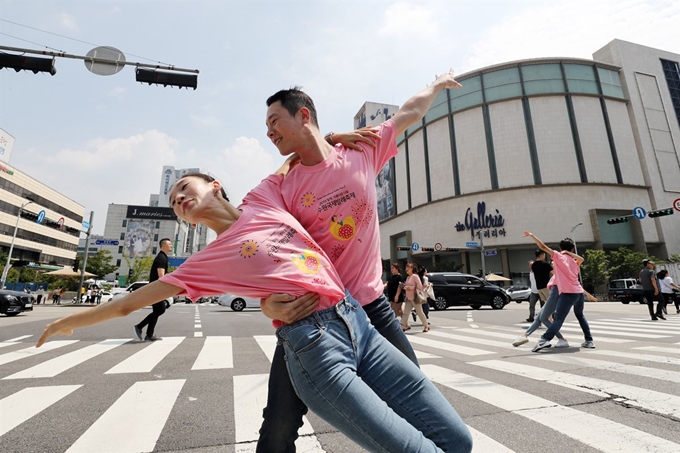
(154, 251)
(158, 225)
(610, 83)
(503, 84)
(542, 78)
(467, 96)
(120, 249)
(155, 237)
(124, 223)
(581, 79)
(118, 263)
(672, 72)
(122, 236)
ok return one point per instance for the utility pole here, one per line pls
(3, 279)
(87, 246)
(481, 245)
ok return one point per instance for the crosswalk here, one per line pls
(473, 363)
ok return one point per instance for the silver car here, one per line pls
(518, 293)
(238, 303)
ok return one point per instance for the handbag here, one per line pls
(421, 297)
(430, 291)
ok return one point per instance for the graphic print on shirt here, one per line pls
(343, 228)
(307, 261)
(248, 249)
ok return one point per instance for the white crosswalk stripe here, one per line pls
(116, 427)
(597, 432)
(119, 429)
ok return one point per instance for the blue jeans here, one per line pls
(349, 375)
(545, 312)
(564, 304)
(284, 411)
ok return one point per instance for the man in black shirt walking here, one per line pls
(394, 289)
(158, 269)
(542, 270)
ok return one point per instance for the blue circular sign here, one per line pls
(41, 216)
(639, 213)
(415, 246)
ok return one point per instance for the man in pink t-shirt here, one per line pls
(571, 292)
(331, 192)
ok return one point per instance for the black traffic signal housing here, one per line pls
(660, 212)
(427, 249)
(19, 62)
(403, 248)
(450, 249)
(76, 265)
(614, 220)
(177, 79)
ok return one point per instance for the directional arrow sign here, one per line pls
(415, 246)
(41, 216)
(491, 252)
(472, 244)
(639, 212)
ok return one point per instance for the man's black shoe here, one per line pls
(138, 332)
(152, 338)
(530, 320)
(661, 317)
(654, 318)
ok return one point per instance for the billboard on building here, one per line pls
(150, 212)
(6, 145)
(139, 238)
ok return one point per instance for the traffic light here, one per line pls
(427, 249)
(614, 220)
(403, 248)
(76, 265)
(176, 79)
(660, 212)
(19, 62)
(450, 249)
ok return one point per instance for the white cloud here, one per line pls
(68, 22)
(118, 92)
(576, 29)
(405, 20)
(120, 170)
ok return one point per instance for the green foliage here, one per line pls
(625, 263)
(674, 258)
(141, 268)
(595, 269)
(100, 264)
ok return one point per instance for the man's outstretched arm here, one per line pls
(417, 106)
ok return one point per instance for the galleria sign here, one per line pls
(482, 221)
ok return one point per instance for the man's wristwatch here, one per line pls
(329, 138)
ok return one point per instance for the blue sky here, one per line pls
(101, 140)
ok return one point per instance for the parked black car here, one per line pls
(456, 289)
(14, 302)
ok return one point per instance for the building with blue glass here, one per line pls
(556, 146)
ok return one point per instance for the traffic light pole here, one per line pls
(87, 246)
(481, 245)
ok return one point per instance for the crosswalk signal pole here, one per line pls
(481, 246)
(87, 245)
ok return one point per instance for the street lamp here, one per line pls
(11, 247)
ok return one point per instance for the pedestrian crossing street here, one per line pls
(622, 345)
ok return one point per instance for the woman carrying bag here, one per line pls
(415, 297)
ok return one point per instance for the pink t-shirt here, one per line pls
(566, 274)
(551, 282)
(335, 201)
(266, 251)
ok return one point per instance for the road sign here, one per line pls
(491, 252)
(41, 216)
(86, 224)
(639, 213)
(676, 204)
(472, 244)
(438, 246)
(60, 223)
(106, 242)
(415, 246)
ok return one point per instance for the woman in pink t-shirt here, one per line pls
(335, 357)
(411, 285)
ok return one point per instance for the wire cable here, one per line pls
(31, 42)
(72, 39)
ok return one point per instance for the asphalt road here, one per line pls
(202, 388)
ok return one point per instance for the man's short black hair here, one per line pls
(539, 252)
(567, 244)
(293, 100)
(164, 240)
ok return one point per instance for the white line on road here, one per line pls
(145, 360)
(12, 340)
(62, 363)
(119, 429)
(29, 352)
(597, 432)
(484, 444)
(217, 353)
(447, 346)
(24, 404)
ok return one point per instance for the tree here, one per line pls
(595, 269)
(141, 268)
(100, 264)
(625, 263)
(674, 258)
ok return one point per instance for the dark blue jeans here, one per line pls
(284, 411)
(564, 304)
